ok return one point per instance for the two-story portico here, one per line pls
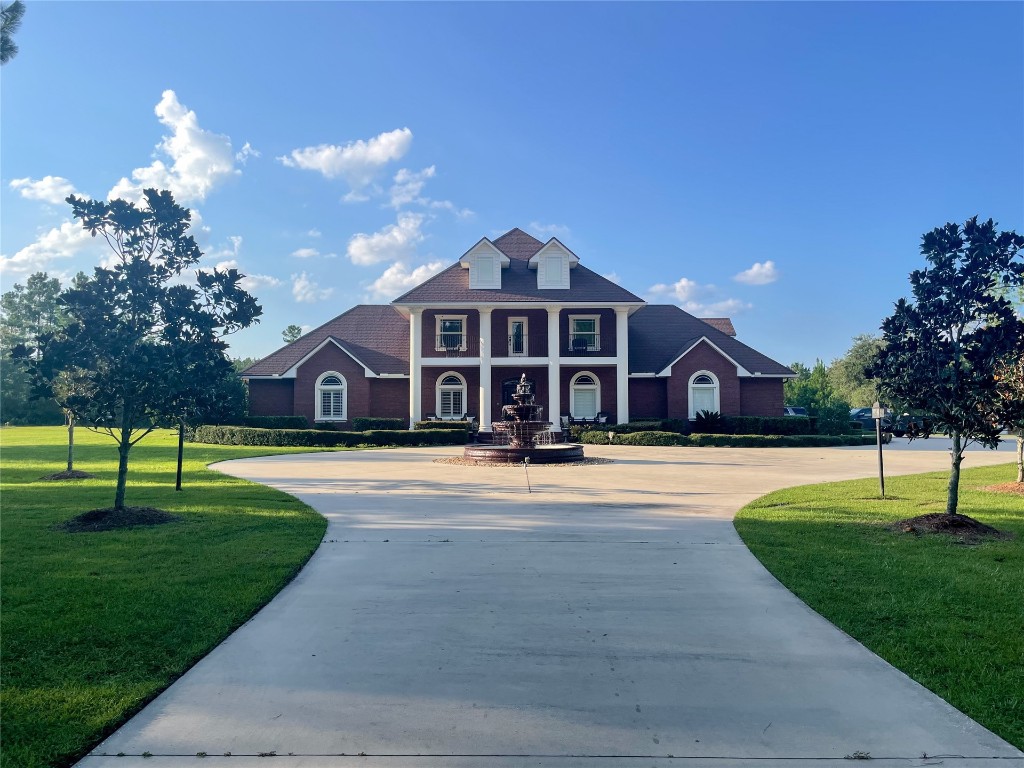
(455, 345)
(511, 306)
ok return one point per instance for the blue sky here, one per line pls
(773, 162)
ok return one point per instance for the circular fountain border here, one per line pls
(464, 462)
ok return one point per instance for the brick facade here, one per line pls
(331, 358)
(703, 357)
(648, 399)
(273, 397)
(761, 397)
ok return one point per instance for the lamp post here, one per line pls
(878, 413)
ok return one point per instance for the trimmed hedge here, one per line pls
(465, 426)
(316, 438)
(656, 438)
(363, 423)
(276, 422)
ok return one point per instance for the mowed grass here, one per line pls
(96, 624)
(949, 615)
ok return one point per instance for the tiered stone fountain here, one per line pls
(523, 434)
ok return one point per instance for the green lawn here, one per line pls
(96, 624)
(951, 616)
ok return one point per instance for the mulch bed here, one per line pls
(966, 529)
(74, 474)
(1016, 489)
(113, 519)
(470, 463)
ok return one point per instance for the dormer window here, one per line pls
(484, 263)
(553, 263)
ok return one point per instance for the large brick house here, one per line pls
(455, 345)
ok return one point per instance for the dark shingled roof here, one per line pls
(376, 334)
(659, 333)
(518, 281)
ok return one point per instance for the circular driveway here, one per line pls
(597, 615)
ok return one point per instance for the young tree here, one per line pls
(10, 21)
(943, 346)
(139, 334)
(1010, 387)
(291, 333)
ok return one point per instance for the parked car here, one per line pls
(793, 410)
(908, 425)
(863, 417)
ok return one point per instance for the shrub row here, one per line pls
(276, 422)
(316, 438)
(767, 425)
(465, 426)
(363, 423)
(727, 441)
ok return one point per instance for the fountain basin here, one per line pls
(555, 453)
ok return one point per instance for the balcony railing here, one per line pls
(456, 345)
(584, 343)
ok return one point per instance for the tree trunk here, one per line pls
(956, 456)
(70, 420)
(1020, 456)
(122, 466)
(181, 450)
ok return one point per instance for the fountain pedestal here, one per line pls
(522, 424)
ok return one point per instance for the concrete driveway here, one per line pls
(612, 617)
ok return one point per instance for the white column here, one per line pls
(415, 366)
(622, 365)
(485, 370)
(554, 371)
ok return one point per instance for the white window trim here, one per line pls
(690, 387)
(319, 397)
(572, 392)
(526, 336)
(437, 395)
(437, 331)
(597, 331)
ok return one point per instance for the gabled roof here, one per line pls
(376, 336)
(660, 333)
(518, 282)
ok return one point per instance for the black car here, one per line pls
(911, 426)
(863, 417)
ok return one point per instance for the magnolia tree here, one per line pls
(145, 339)
(942, 347)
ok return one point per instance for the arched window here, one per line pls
(331, 397)
(704, 393)
(584, 396)
(451, 396)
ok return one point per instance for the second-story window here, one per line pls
(451, 332)
(584, 333)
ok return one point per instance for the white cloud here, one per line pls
(246, 152)
(358, 162)
(314, 232)
(549, 230)
(409, 185)
(249, 282)
(306, 291)
(697, 299)
(312, 253)
(396, 242)
(200, 159)
(398, 278)
(49, 189)
(61, 242)
(614, 277)
(761, 273)
(229, 251)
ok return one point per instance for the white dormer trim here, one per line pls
(484, 262)
(553, 262)
(740, 370)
